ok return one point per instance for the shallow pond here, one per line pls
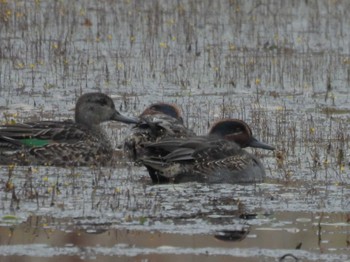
(107, 213)
(282, 66)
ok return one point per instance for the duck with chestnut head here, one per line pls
(218, 157)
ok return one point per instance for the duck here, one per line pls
(157, 121)
(218, 157)
(64, 143)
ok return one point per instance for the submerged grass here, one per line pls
(283, 82)
(282, 66)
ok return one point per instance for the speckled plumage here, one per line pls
(158, 121)
(215, 158)
(63, 143)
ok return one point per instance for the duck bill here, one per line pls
(256, 143)
(127, 120)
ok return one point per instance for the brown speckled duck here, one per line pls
(158, 121)
(63, 143)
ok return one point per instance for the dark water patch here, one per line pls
(317, 237)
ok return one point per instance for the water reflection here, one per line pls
(320, 235)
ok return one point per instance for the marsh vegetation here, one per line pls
(281, 66)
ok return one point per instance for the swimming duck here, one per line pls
(158, 121)
(63, 143)
(218, 157)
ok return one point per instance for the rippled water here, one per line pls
(282, 66)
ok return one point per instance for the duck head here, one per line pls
(163, 108)
(94, 108)
(237, 131)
